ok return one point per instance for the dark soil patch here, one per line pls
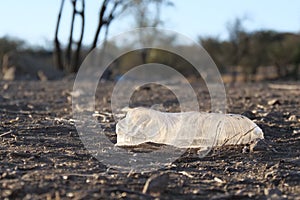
(42, 157)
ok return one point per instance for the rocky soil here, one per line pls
(42, 156)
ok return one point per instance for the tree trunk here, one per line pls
(58, 52)
(79, 43)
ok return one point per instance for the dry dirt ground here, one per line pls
(42, 157)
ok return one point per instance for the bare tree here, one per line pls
(107, 14)
(58, 51)
(147, 13)
(70, 59)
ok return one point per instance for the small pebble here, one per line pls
(5, 86)
(70, 194)
(274, 102)
(293, 118)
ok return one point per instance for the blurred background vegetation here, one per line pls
(257, 55)
(245, 56)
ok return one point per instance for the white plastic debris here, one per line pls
(185, 129)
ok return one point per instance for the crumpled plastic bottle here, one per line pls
(185, 129)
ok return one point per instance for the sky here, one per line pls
(34, 20)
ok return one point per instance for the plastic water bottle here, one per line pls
(185, 129)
